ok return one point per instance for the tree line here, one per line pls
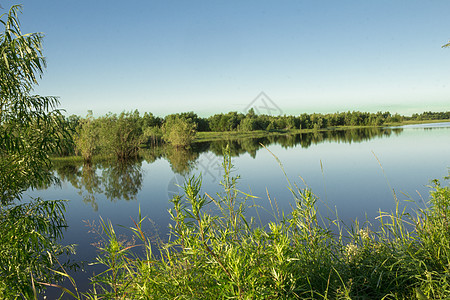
(122, 135)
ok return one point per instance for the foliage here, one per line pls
(225, 122)
(87, 137)
(125, 134)
(30, 129)
(201, 124)
(30, 126)
(248, 124)
(122, 135)
(152, 136)
(433, 252)
(428, 115)
(178, 131)
(67, 147)
(149, 120)
(29, 248)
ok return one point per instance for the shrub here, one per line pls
(121, 135)
(178, 131)
(87, 137)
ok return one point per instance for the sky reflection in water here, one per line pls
(352, 172)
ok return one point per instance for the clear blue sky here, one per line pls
(217, 56)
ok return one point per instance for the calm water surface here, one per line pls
(352, 171)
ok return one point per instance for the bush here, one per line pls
(87, 137)
(178, 131)
(121, 135)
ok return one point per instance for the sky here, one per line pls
(218, 56)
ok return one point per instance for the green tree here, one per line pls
(29, 124)
(178, 131)
(87, 137)
(225, 122)
(149, 120)
(122, 135)
(248, 124)
(152, 135)
(30, 128)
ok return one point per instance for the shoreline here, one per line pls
(211, 136)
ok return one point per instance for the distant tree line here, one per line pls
(122, 135)
(428, 115)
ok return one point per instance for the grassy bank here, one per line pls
(234, 135)
(77, 159)
(214, 136)
(216, 252)
(412, 122)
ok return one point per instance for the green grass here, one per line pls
(77, 159)
(214, 136)
(72, 158)
(216, 252)
(412, 122)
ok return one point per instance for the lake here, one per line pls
(354, 172)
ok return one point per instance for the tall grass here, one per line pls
(216, 252)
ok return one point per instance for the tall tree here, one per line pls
(87, 137)
(30, 128)
(30, 125)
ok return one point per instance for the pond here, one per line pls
(354, 173)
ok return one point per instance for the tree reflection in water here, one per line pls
(116, 180)
(122, 180)
(88, 184)
(181, 160)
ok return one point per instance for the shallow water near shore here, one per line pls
(354, 172)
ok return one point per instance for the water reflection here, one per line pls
(118, 180)
(122, 180)
(305, 140)
(88, 184)
(181, 160)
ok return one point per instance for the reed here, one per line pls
(216, 252)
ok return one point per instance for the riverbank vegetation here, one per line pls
(215, 251)
(122, 135)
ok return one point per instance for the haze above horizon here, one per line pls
(218, 56)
